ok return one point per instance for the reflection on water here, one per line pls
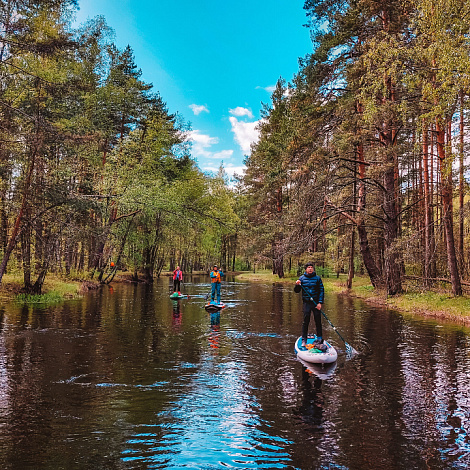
(128, 378)
(214, 335)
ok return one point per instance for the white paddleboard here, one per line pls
(313, 355)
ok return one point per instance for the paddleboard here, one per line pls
(175, 295)
(313, 355)
(213, 307)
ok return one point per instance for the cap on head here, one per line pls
(309, 264)
(215, 265)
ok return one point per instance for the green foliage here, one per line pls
(43, 299)
(94, 166)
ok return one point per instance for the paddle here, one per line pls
(349, 349)
(184, 288)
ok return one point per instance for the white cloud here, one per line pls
(222, 155)
(202, 140)
(230, 169)
(245, 133)
(202, 144)
(239, 112)
(198, 108)
(269, 89)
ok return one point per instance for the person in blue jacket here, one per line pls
(311, 286)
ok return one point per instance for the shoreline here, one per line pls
(439, 305)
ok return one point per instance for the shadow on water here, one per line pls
(129, 378)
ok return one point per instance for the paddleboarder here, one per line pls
(216, 275)
(311, 286)
(177, 278)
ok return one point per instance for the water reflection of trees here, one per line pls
(310, 410)
(403, 403)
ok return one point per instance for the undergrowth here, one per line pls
(49, 298)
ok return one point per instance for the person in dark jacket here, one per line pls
(311, 286)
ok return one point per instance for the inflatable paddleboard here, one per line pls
(313, 355)
(213, 307)
(175, 295)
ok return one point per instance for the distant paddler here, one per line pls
(216, 276)
(177, 278)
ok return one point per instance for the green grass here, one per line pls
(430, 303)
(433, 302)
(55, 289)
(47, 299)
(266, 276)
(65, 289)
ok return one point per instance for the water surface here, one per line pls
(127, 378)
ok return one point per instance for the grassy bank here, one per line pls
(55, 289)
(437, 304)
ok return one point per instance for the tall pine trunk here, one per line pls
(447, 208)
(367, 258)
(461, 187)
(278, 251)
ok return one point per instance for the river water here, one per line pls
(126, 378)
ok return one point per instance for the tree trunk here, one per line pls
(351, 258)
(369, 262)
(235, 239)
(392, 257)
(81, 258)
(447, 209)
(278, 251)
(278, 258)
(47, 252)
(461, 188)
(26, 257)
(19, 218)
(3, 226)
(121, 250)
(429, 242)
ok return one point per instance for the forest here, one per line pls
(361, 165)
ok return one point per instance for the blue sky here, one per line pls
(213, 62)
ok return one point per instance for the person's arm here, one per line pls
(298, 286)
(321, 296)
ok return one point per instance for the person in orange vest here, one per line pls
(215, 283)
(177, 278)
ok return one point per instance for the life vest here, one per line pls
(215, 276)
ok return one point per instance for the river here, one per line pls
(126, 378)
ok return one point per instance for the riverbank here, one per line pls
(54, 287)
(436, 304)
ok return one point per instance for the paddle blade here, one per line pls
(350, 350)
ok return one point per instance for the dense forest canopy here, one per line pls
(363, 157)
(94, 168)
(361, 164)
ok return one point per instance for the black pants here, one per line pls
(176, 285)
(307, 308)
